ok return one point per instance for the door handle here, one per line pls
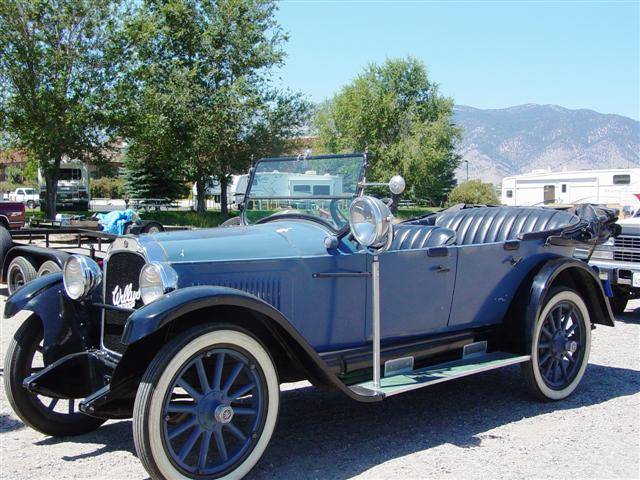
(441, 269)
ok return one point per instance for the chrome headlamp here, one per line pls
(81, 276)
(371, 222)
(156, 279)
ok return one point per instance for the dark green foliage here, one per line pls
(54, 78)
(395, 112)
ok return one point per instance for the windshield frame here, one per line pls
(359, 190)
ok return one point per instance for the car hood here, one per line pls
(270, 240)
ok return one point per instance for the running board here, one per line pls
(443, 372)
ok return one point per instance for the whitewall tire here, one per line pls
(207, 406)
(560, 347)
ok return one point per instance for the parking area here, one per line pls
(484, 426)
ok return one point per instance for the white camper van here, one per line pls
(615, 187)
(73, 186)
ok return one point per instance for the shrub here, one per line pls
(107, 187)
(473, 191)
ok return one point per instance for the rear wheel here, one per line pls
(31, 204)
(206, 407)
(561, 345)
(51, 416)
(20, 272)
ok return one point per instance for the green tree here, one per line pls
(473, 192)
(199, 85)
(53, 77)
(396, 113)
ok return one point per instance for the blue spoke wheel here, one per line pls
(560, 346)
(207, 406)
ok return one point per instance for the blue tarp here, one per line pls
(115, 222)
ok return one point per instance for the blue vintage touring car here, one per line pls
(191, 332)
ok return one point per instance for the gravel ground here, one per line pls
(485, 426)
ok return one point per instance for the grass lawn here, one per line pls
(213, 218)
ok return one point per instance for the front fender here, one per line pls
(68, 326)
(152, 317)
(144, 322)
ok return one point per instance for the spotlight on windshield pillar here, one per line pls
(397, 184)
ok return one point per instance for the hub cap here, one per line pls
(561, 345)
(214, 412)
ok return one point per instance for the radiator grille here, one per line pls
(626, 249)
(624, 241)
(121, 289)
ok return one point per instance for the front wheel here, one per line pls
(51, 416)
(560, 346)
(206, 406)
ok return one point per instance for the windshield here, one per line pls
(317, 187)
(29, 191)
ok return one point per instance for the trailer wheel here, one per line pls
(19, 273)
(6, 243)
(48, 267)
(151, 227)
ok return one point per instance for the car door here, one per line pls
(416, 288)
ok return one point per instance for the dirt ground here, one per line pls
(484, 426)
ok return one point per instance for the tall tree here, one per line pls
(53, 77)
(396, 113)
(201, 71)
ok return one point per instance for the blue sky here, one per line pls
(487, 54)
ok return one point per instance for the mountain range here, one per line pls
(509, 141)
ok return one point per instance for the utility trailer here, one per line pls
(44, 246)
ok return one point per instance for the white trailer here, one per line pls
(616, 187)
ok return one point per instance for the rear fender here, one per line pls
(534, 292)
(69, 326)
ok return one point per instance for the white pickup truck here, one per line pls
(618, 261)
(28, 196)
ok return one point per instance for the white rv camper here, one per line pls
(615, 187)
(73, 186)
(274, 184)
(235, 189)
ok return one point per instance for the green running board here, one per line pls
(443, 372)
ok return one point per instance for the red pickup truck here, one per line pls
(12, 215)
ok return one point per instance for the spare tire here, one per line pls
(20, 272)
(48, 267)
(6, 242)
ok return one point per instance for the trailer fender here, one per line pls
(37, 255)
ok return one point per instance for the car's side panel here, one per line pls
(328, 311)
(416, 288)
(488, 276)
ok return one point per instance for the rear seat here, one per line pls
(497, 224)
(409, 237)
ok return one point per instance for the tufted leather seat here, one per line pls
(497, 224)
(407, 237)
